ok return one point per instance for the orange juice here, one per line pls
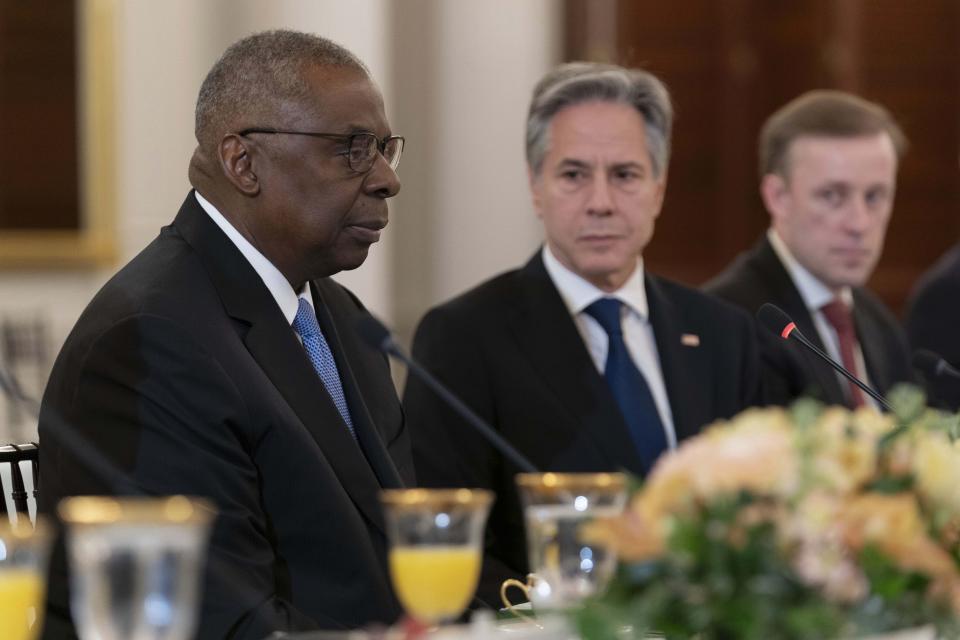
(20, 593)
(435, 583)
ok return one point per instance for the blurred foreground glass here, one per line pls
(436, 548)
(135, 565)
(23, 568)
(566, 568)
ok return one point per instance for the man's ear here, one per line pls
(535, 184)
(774, 191)
(236, 163)
(660, 193)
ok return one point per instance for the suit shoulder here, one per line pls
(165, 277)
(487, 299)
(870, 302)
(740, 283)
(696, 303)
(941, 283)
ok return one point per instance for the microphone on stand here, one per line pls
(378, 336)
(774, 319)
(934, 365)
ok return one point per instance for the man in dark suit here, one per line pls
(828, 167)
(933, 319)
(581, 359)
(222, 360)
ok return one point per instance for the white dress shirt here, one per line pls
(815, 295)
(276, 283)
(578, 294)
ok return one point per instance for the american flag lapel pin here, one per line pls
(690, 340)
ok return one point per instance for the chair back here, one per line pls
(13, 487)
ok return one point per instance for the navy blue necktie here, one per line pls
(628, 385)
(321, 357)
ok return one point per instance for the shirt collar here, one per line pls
(578, 294)
(815, 294)
(280, 289)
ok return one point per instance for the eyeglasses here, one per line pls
(362, 147)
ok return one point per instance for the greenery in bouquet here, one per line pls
(811, 522)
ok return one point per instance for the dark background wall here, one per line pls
(39, 185)
(730, 63)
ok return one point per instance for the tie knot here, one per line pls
(838, 314)
(606, 311)
(306, 321)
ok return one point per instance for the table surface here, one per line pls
(483, 625)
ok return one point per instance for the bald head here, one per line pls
(258, 74)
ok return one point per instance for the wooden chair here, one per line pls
(11, 455)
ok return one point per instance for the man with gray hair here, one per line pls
(222, 361)
(581, 359)
(828, 175)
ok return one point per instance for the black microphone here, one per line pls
(934, 365)
(377, 335)
(773, 318)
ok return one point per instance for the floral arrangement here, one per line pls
(811, 522)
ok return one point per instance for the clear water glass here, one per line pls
(565, 566)
(136, 565)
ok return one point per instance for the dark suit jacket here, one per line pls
(933, 322)
(184, 372)
(511, 351)
(789, 370)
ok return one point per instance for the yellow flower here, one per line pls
(630, 536)
(754, 453)
(894, 525)
(936, 468)
(845, 447)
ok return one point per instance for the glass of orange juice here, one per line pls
(436, 548)
(23, 565)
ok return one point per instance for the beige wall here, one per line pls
(456, 75)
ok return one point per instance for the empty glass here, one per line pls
(135, 565)
(23, 567)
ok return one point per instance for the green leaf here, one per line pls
(907, 401)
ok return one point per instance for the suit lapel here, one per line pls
(547, 334)
(873, 345)
(367, 434)
(679, 363)
(789, 299)
(273, 345)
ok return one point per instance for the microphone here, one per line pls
(378, 336)
(933, 365)
(774, 319)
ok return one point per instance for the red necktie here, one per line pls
(838, 315)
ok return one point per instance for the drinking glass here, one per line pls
(566, 567)
(23, 566)
(436, 548)
(135, 565)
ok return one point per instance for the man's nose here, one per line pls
(601, 199)
(382, 181)
(859, 216)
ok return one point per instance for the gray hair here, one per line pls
(256, 74)
(580, 82)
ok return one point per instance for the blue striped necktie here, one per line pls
(628, 385)
(306, 325)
